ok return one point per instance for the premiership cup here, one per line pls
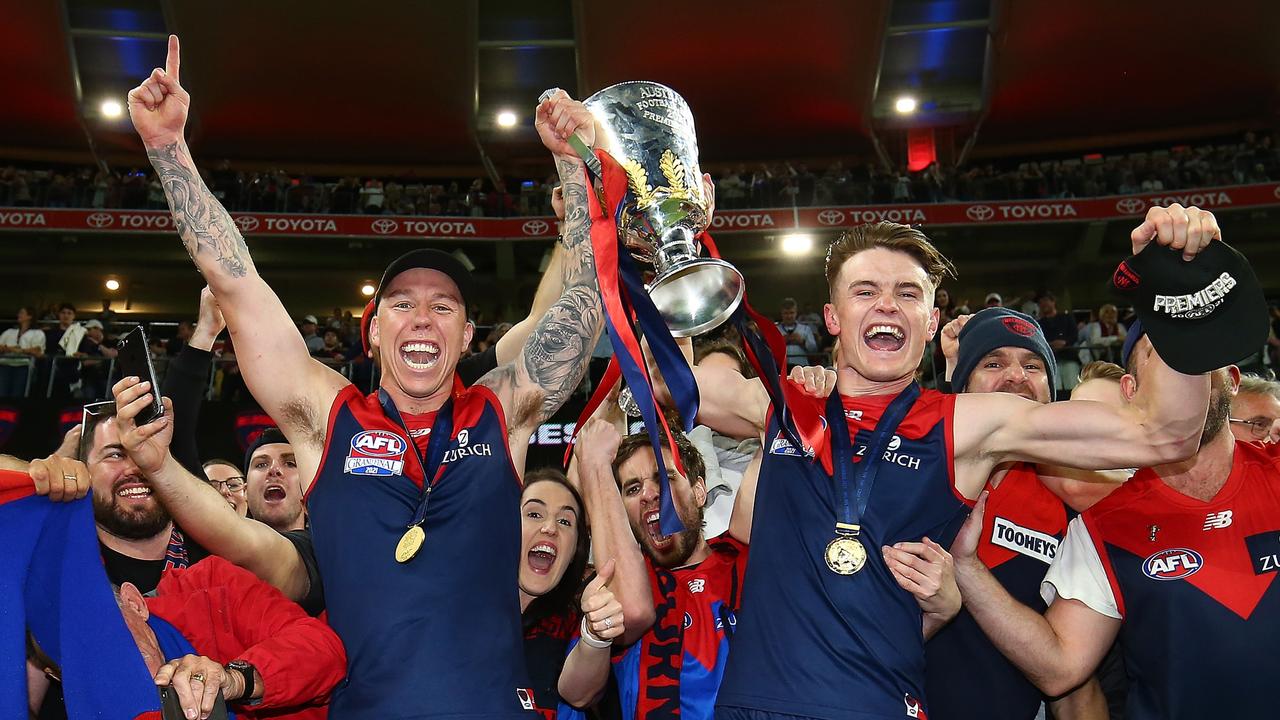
(648, 129)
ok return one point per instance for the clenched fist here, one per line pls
(158, 107)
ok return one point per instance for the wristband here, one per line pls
(590, 639)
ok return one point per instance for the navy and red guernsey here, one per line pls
(676, 668)
(1194, 584)
(439, 635)
(811, 643)
(1022, 527)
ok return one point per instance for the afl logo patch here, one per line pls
(1173, 564)
(376, 452)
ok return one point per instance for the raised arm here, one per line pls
(1162, 424)
(611, 536)
(550, 288)
(267, 343)
(186, 379)
(555, 357)
(1057, 651)
(198, 508)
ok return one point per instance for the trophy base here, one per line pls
(697, 296)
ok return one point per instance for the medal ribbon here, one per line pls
(842, 450)
(766, 351)
(441, 430)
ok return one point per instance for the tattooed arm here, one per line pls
(268, 344)
(556, 354)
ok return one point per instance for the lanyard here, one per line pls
(441, 432)
(842, 450)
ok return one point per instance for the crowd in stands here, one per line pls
(1253, 159)
(971, 549)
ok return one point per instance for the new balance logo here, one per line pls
(697, 586)
(1218, 520)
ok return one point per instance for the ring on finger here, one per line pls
(197, 677)
(608, 623)
(69, 476)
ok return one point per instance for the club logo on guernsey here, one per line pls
(1172, 564)
(1024, 541)
(376, 452)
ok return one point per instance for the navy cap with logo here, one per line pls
(1201, 314)
(429, 259)
(992, 329)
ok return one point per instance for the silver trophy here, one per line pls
(648, 129)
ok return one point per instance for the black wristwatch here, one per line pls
(246, 671)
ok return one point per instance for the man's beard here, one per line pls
(129, 524)
(684, 544)
(1219, 413)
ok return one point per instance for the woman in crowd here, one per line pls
(1105, 333)
(555, 545)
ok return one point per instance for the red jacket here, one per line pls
(229, 614)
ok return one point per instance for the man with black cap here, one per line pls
(1180, 562)
(413, 492)
(1001, 350)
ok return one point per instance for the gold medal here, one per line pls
(411, 542)
(845, 555)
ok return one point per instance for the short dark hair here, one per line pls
(789, 304)
(220, 461)
(66, 306)
(97, 414)
(694, 468)
(725, 347)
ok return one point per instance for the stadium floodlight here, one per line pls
(111, 109)
(797, 244)
(905, 105)
(507, 119)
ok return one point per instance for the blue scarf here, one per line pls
(52, 582)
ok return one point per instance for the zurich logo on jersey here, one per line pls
(1172, 564)
(376, 452)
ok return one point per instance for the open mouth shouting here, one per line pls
(884, 337)
(542, 556)
(420, 354)
(274, 493)
(657, 540)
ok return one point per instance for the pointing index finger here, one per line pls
(172, 61)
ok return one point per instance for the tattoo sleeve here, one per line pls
(557, 353)
(206, 228)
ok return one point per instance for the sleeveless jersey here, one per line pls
(439, 635)
(966, 676)
(816, 644)
(1195, 585)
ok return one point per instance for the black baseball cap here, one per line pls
(269, 436)
(1201, 314)
(430, 259)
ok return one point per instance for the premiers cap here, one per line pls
(429, 259)
(1201, 314)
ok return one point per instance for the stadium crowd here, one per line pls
(1252, 159)
(981, 548)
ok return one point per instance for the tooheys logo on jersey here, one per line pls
(1197, 304)
(1024, 541)
(466, 448)
(1173, 564)
(376, 452)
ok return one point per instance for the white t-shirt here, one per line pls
(1077, 574)
(32, 338)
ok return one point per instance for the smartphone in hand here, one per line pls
(135, 359)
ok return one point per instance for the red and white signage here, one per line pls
(725, 221)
